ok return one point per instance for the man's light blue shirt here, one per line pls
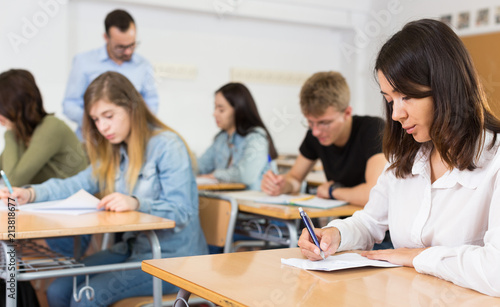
(89, 65)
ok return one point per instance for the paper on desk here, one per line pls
(337, 262)
(205, 180)
(321, 203)
(286, 199)
(79, 203)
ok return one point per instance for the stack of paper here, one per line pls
(79, 203)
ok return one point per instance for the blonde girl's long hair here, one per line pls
(104, 157)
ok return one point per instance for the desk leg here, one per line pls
(182, 298)
(77, 248)
(292, 229)
(156, 249)
(9, 253)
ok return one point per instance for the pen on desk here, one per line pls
(310, 228)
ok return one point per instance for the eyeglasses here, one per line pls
(122, 48)
(321, 125)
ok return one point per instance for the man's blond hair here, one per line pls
(322, 90)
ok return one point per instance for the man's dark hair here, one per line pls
(118, 18)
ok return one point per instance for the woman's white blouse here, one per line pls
(457, 216)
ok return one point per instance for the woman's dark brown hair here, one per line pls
(246, 115)
(21, 102)
(427, 54)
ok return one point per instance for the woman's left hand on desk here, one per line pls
(118, 202)
(402, 256)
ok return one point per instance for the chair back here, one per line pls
(218, 217)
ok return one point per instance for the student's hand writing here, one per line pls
(118, 202)
(329, 240)
(22, 195)
(401, 256)
(272, 184)
(323, 190)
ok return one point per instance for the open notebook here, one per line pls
(286, 199)
(79, 203)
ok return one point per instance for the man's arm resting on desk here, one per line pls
(273, 184)
(358, 195)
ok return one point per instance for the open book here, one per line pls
(79, 203)
(305, 200)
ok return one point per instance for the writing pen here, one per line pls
(310, 228)
(271, 165)
(7, 182)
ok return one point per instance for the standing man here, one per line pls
(350, 147)
(117, 55)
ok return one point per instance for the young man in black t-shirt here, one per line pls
(350, 147)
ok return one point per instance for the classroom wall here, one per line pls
(291, 39)
(210, 42)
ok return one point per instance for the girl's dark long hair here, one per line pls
(21, 103)
(246, 115)
(427, 54)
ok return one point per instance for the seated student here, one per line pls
(241, 149)
(348, 146)
(440, 193)
(38, 145)
(138, 163)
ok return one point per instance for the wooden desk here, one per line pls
(286, 163)
(285, 213)
(315, 178)
(288, 212)
(259, 279)
(221, 186)
(30, 225)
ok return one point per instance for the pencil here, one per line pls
(302, 198)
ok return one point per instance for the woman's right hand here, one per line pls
(22, 195)
(329, 240)
(272, 184)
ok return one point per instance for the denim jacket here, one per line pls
(236, 158)
(165, 187)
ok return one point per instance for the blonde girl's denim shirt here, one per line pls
(237, 158)
(165, 187)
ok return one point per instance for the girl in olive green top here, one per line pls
(38, 146)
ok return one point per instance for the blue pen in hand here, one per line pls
(271, 165)
(7, 182)
(310, 228)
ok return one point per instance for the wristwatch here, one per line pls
(333, 186)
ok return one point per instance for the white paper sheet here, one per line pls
(286, 199)
(79, 203)
(322, 203)
(337, 262)
(205, 180)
